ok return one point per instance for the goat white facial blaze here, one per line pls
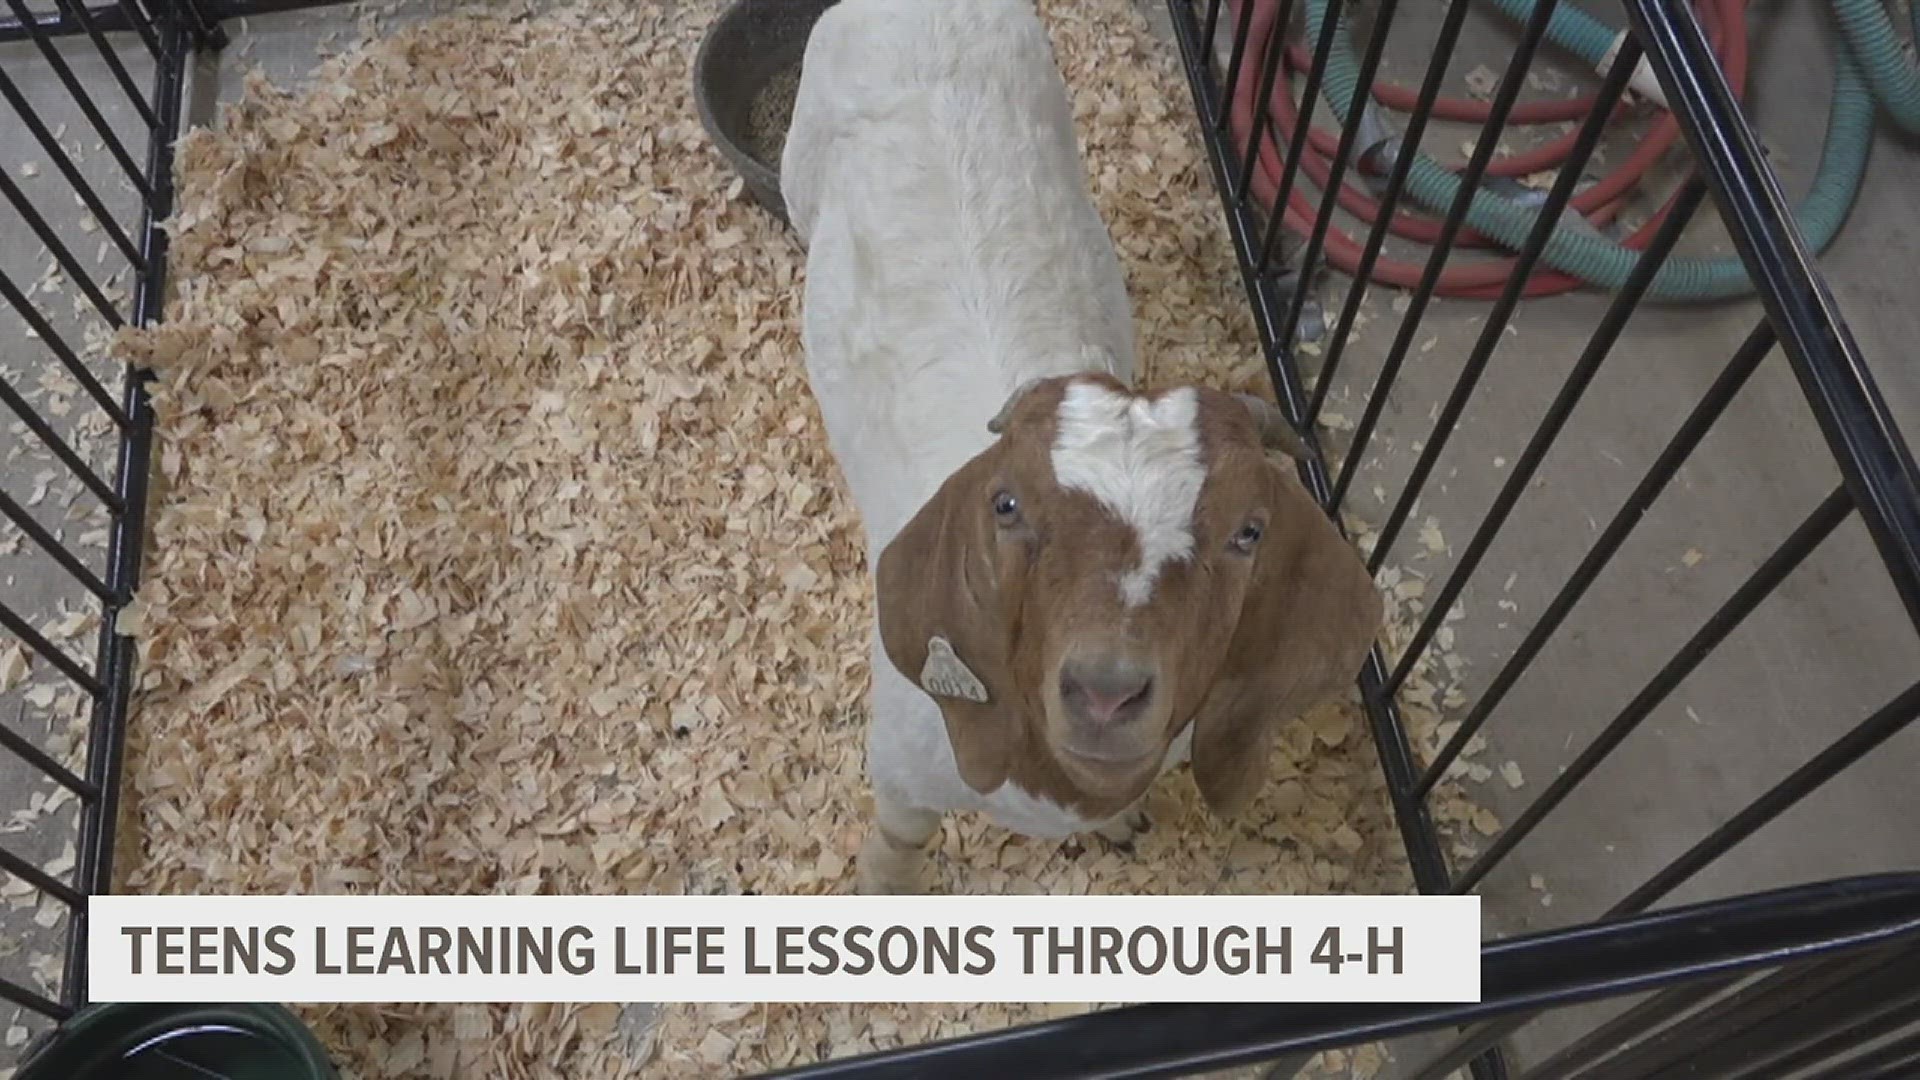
(1141, 459)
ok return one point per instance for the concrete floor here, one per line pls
(1829, 647)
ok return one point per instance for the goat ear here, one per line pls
(1309, 617)
(941, 626)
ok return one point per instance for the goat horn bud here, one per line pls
(999, 422)
(1276, 431)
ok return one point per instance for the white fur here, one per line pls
(933, 172)
(1141, 459)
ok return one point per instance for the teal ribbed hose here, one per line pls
(1571, 28)
(1599, 261)
(1893, 77)
(1891, 74)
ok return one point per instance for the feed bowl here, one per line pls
(744, 77)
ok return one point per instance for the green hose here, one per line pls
(1599, 261)
(1890, 72)
(1571, 28)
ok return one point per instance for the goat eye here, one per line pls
(1248, 536)
(1005, 505)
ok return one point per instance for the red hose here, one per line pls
(1725, 21)
(1590, 202)
(1549, 156)
(1469, 110)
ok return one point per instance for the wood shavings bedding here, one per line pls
(498, 547)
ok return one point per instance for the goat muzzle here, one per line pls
(1108, 703)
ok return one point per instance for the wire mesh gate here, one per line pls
(141, 246)
(1809, 981)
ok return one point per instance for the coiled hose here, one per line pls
(1484, 280)
(1889, 70)
(1575, 257)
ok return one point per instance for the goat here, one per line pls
(1077, 586)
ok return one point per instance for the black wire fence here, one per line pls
(108, 154)
(1814, 980)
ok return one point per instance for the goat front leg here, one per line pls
(895, 851)
(1131, 822)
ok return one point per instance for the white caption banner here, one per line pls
(1006, 949)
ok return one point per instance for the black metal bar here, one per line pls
(1562, 967)
(81, 99)
(1213, 27)
(1409, 142)
(1493, 329)
(1591, 357)
(1272, 52)
(124, 15)
(1309, 97)
(68, 561)
(1876, 1023)
(1791, 988)
(197, 18)
(1863, 1021)
(1236, 55)
(1396, 754)
(1750, 1037)
(1470, 1045)
(80, 15)
(1415, 821)
(1620, 1031)
(217, 11)
(1878, 1020)
(137, 19)
(51, 653)
(61, 253)
(1816, 528)
(116, 656)
(1397, 765)
(57, 24)
(1895, 1061)
(1884, 724)
(1706, 412)
(32, 1001)
(62, 161)
(1412, 815)
(1859, 428)
(52, 440)
(1503, 100)
(1343, 151)
(40, 879)
(32, 317)
(23, 748)
(1777, 989)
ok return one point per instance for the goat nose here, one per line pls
(1106, 691)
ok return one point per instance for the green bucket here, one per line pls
(178, 1042)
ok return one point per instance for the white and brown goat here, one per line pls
(1078, 585)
